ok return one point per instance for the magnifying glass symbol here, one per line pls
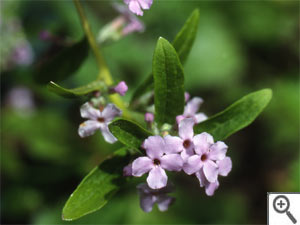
(281, 204)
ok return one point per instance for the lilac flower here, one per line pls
(161, 155)
(23, 54)
(136, 6)
(190, 111)
(185, 141)
(149, 117)
(224, 167)
(206, 157)
(121, 88)
(98, 119)
(148, 197)
(21, 99)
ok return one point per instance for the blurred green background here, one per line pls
(240, 47)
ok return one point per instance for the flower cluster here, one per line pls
(196, 155)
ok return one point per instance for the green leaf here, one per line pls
(97, 187)
(185, 38)
(168, 83)
(182, 43)
(76, 92)
(128, 133)
(237, 116)
(63, 64)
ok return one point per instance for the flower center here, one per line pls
(187, 143)
(156, 162)
(204, 157)
(101, 119)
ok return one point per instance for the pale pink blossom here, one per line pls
(191, 109)
(161, 155)
(98, 120)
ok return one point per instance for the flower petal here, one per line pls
(145, 4)
(186, 130)
(157, 178)
(211, 187)
(201, 177)
(192, 165)
(171, 162)
(192, 106)
(172, 144)
(225, 166)
(89, 112)
(134, 7)
(141, 166)
(202, 142)
(108, 136)
(186, 153)
(164, 201)
(210, 170)
(88, 128)
(110, 112)
(218, 150)
(179, 118)
(154, 146)
(200, 117)
(146, 202)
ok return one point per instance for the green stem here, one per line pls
(104, 73)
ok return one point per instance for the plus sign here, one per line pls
(281, 204)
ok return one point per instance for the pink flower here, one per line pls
(121, 88)
(148, 197)
(149, 117)
(224, 165)
(98, 120)
(161, 155)
(186, 138)
(136, 6)
(191, 109)
(207, 155)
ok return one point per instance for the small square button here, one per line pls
(283, 208)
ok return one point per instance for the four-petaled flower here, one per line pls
(98, 120)
(208, 162)
(224, 167)
(161, 155)
(191, 109)
(148, 197)
(136, 6)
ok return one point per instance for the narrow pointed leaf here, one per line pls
(128, 133)
(237, 116)
(185, 38)
(182, 43)
(97, 187)
(64, 64)
(76, 92)
(168, 83)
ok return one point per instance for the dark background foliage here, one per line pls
(240, 47)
